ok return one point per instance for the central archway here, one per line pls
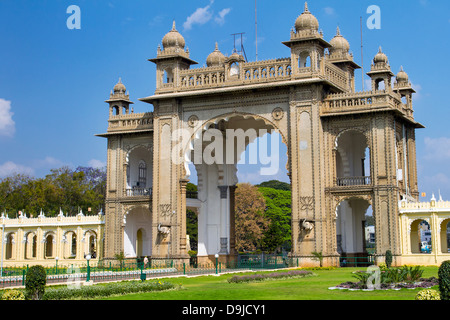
(215, 151)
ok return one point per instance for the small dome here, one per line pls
(215, 58)
(119, 87)
(173, 39)
(402, 76)
(306, 21)
(339, 43)
(380, 57)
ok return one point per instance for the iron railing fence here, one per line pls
(117, 270)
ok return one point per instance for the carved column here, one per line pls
(182, 219)
(233, 251)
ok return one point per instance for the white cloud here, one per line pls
(329, 11)
(220, 19)
(9, 168)
(94, 163)
(437, 149)
(7, 124)
(49, 162)
(200, 16)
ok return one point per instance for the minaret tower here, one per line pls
(171, 59)
(306, 43)
(381, 72)
(339, 55)
(119, 100)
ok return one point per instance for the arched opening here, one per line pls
(235, 70)
(49, 239)
(225, 152)
(93, 246)
(352, 159)
(420, 237)
(73, 245)
(139, 172)
(353, 232)
(138, 233)
(445, 236)
(139, 243)
(9, 246)
(168, 76)
(304, 60)
(30, 245)
(380, 84)
(116, 110)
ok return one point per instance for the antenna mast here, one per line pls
(362, 56)
(242, 51)
(256, 29)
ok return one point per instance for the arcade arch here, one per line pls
(230, 141)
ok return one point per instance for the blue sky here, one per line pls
(54, 81)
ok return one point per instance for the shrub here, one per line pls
(388, 258)
(105, 290)
(36, 280)
(276, 275)
(13, 295)
(428, 294)
(444, 280)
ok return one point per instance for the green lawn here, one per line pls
(309, 288)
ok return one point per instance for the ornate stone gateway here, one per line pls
(347, 150)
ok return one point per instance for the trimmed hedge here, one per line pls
(276, 275)
(36, 280)
(105, 290)
(444, 280)
(13, 295)
(428, 294)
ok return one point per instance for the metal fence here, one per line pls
(356, 261)
(115, 270)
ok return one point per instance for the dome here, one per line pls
(380, 57)
(339, 43)
(173, 39)
(306, 21)
(119, 87)
(402, 76)
(216, 58)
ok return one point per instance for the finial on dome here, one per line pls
(217, 46)
(174, 27)
(306, 7)
(338, 31)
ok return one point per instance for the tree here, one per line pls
(250, 220)
(278, 211)
(63, 188)
(275, 184)
(36, 279)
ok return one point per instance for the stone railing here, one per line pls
(266, 71)
(58, 220)
(202, 77)
(138, 192)
(360, 101)
(420, 206)
(131, 121)
(353, 181)
(335, 75)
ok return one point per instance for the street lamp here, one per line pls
(3, 236)
(56, 259)
(217, 260)
(88, 277)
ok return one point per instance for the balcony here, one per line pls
(353, 181)
(139, 192)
